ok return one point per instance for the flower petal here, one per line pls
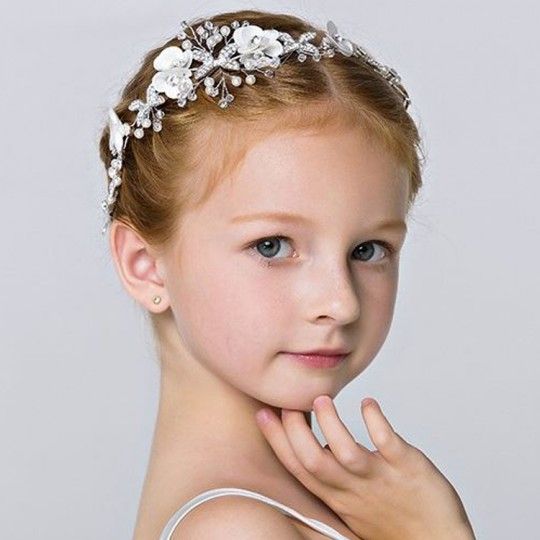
(116, 133)
(244, 35)
(172, 57)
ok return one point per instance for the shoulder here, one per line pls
(236, 517)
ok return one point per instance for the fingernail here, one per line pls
(319, 400)
(367, 401)
(263, 416)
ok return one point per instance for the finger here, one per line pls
(389, 443)
(350, 453)
(276, 437)
(317, 460)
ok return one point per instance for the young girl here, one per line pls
(260, 223)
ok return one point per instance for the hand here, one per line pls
(394, 492)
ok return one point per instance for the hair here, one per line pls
(166, 172)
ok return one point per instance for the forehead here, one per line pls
(317, 173)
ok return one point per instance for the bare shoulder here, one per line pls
(241, 518)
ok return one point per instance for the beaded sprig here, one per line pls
(249, 49)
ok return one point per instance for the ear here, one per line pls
(137, 267)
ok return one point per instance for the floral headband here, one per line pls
(249, 49)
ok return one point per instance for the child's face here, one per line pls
(240, 301)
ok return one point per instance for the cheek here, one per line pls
(377, 302)
(230, 309)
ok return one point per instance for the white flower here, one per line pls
(344, 45)
(117, 131)
(173, 75)
(257, 46)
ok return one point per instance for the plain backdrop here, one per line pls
(459, 373)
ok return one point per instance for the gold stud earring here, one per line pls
(156, 299)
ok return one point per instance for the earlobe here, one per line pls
(137, 267)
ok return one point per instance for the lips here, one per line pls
(318, 360)
(323, 352)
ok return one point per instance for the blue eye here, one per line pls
(267, 248)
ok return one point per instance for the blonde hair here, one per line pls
(167, 172)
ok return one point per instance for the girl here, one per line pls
(261, 229)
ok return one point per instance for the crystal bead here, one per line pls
(139, 132)
(209, 81)
(186, 44)
(301, 57)
(236, 80)
(156, 126)
(269, 73)
(235, 24)
(146, 123)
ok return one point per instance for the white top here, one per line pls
(220, 492)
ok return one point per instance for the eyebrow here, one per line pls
(295, 218)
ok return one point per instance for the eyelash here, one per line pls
(267, 261)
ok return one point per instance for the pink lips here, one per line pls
(318, 360)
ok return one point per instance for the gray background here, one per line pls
(459, 373)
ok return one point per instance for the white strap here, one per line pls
(220, 492)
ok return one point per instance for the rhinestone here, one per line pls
(225, 30)
(186, 44)
(301, 57)
(182, 35)
(223, 103)
(146, 123)
(229, 97)
(269, 73)
(250, 79)
(235, 24)
(134, 105)
(139, 132)
(157, 126)
(209, 81)
(208, 25)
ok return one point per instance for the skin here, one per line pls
(229, 309)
